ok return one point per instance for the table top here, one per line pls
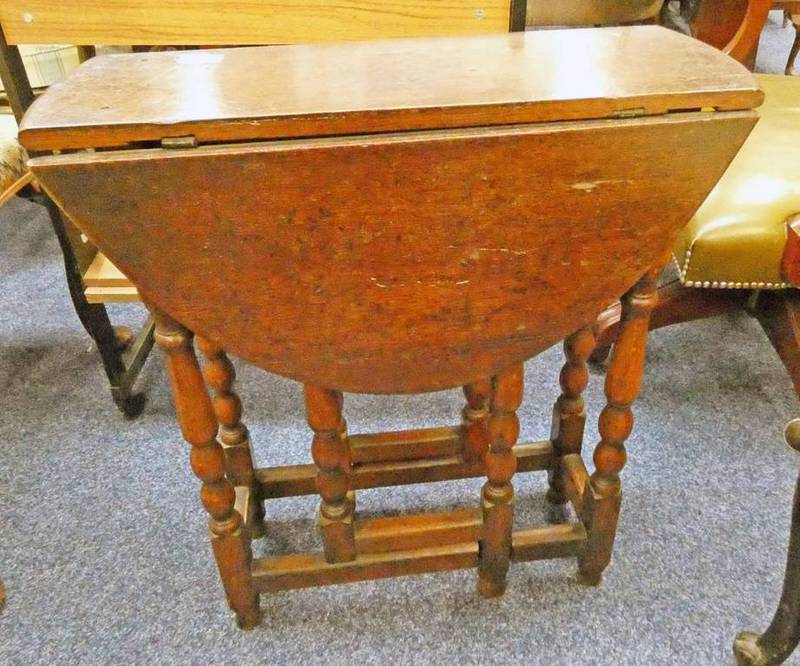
(244, 94)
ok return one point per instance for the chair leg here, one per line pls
(778, 312)
(783, 634)
(229, 540)
(497, 494)
(795, 46)
(603, 495)
(220, 375)
(121, 363)
(779, 315)
(569, 417)
(331, 453)
(676, 304)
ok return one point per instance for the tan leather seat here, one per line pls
(737, 238)
(590, 12)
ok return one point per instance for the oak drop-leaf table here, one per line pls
(396, 217)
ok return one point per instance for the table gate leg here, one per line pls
(497, 495)
(231, 544)
(331, 454)
(783, 634)
(623, 381)
(475, 421)
(220, 375)
(569, 417)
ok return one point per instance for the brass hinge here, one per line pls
(178, 142)
(629, 113)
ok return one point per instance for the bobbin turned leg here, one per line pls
(569, 417)
(475, 422)
(623, 380)
(230, 542)
(497, 495)
(220, 375)
(331, 454)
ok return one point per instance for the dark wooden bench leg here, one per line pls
(497, 495)
(122, 362)
(220, 375)
(604, 493)
(229, 539)
(783, 634)
(569, 417)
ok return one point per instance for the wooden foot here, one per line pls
(497, 495)
(569, 417)
(603, 492)
(230, 542)
(233, 435)
(331, 454)
(676, 304)
(783, 634)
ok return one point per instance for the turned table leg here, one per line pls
(623, 381)
(220, 375)
(783, 634)
(475, 421)
(198, 424)
(569, 417)
(331, 454)
(497, 495)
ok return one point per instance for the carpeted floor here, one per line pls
(103, 546)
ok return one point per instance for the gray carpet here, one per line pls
(104, 552)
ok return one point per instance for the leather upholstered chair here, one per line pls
(742, 250)
(742, 247)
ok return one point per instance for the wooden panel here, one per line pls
(292, 480)
(391, 86)
(102, 273)
(544, 543)
(790, 262)
(494, 244)
(382, 535)
(590, 12)
(112, 295)
(576, 480)
(405, 445)
(296, 571)
(243, 21)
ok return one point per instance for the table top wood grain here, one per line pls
(257, 93)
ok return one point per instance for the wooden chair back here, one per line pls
(733, 26)
(234, 22)
(541, 13)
